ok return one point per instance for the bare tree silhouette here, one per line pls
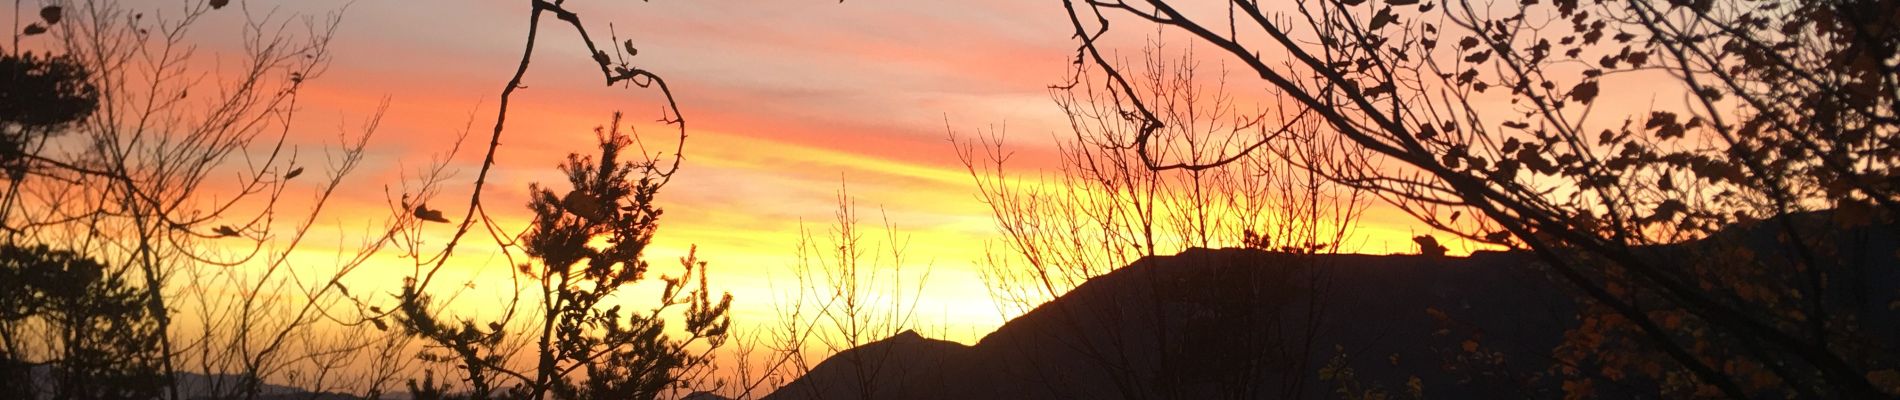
(1234, 182)
(850, 291)
(174, 181)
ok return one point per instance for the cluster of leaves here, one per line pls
(1347, 384)
(44, 92)
(1750, 269)
(1465, 354)
(39, 95)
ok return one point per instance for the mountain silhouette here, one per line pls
(197, 386)
(1238, 323)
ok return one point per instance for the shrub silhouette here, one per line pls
(100, 337)
(585, 349)
(38, 96)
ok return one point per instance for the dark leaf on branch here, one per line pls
(1671, 131)
(50, 14)
(1668, 210)
(216, 4)
(1498, 237)
(1467, 43)
(1659, 118)
(1467, 76)
(1383, 18)
(1584, 92)
(423, 212)
(294, 172)
(225, 230)
(1478, 57)
(33, 29)
(1382, 89)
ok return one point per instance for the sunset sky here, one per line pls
(947, 199)
(786, 101)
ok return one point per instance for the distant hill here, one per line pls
(1236, 323)
(208, 387)
(197, 386)
(1221, 307)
